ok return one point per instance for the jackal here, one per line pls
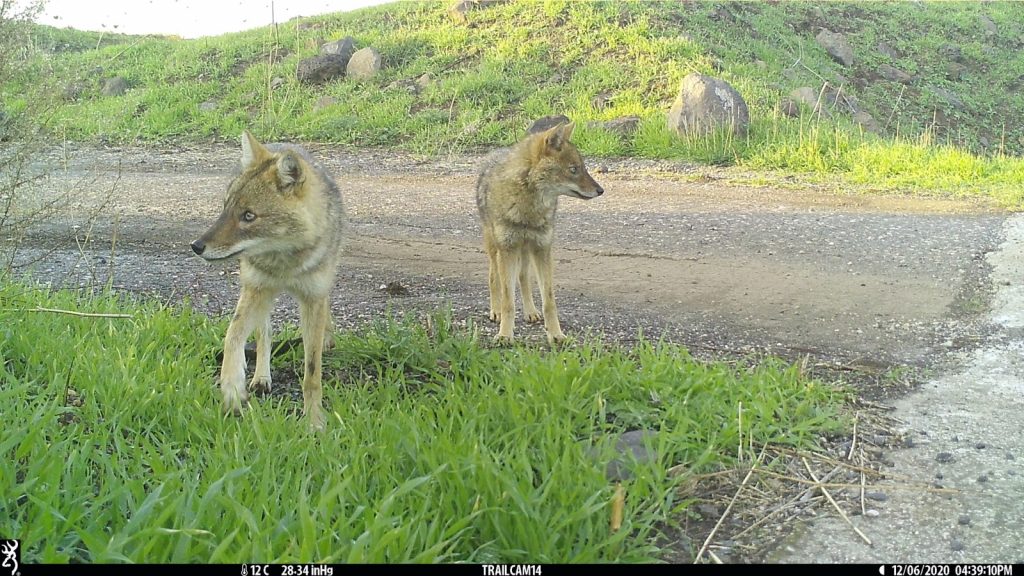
(284, 219)
(517, 196)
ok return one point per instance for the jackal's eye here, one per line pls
(573, 169)
(248, 216)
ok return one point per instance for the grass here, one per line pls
(519, 60)
(437, 449)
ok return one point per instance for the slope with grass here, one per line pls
(439, 449)
(950, 128)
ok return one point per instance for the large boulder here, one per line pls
(344, 48)
(836, 46)
(364, 64)
(706, 103)
(320, 69)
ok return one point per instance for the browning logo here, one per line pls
(11, 555)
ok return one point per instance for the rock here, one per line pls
(956, 545)
(631, 450)
(894, 74)
(545, 123)
(115, 86)
(343, 48)
(887, 50)
(459, 11)
(789, 107)
(944, 457)
(963, 520)
(836, 46)
(208, 106)
(988, 25)
(982, 479)
(705, 103)
(980, 446)
(364, 64)
(623, 126)
(955, 71)
(871, 513)
(951, 52)
(876, 496)
(869, 124)
(320, 69)
(424, 81)
(810, 97)
(276, 82)
(949, 96)
(73, 91)
(1010, 456)
(324, 102)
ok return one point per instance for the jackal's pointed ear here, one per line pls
(289, 169)
(252, 150)
(555, 138)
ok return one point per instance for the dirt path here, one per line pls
(852, 281)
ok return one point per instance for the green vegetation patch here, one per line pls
(437, 449)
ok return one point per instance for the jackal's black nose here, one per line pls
(198, 247)
(600, 190)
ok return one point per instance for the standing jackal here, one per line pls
(283, 217)
(517, 196)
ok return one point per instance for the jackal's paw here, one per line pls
(532, 316)
(260, 385)
(316, 420)
(328, 342)
(556, 338)
(495, 316)
(503, 340)
(234, 402)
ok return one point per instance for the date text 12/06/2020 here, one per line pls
(946, 570)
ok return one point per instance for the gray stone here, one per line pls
(894, 74)
(623, 126)
(836, 46)
(545, 123)
(424, 81)
(949, 96)
(963, 520)
(115, 86)
(364, 64)
(706, 103)
(810, 97)
(869, 124)
(632, 450)
(789, 107)
(887, 50)
(320, 69)
(276, 82)
(988, 25)
(343, 48)
(208, 106)
(944, 457)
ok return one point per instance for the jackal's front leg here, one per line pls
(261, 380)
(314, 316)
(508, 263)
(545, 277)
(253, 306)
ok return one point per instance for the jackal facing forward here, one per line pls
(283, 218)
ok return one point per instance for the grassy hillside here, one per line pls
(951, 127)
